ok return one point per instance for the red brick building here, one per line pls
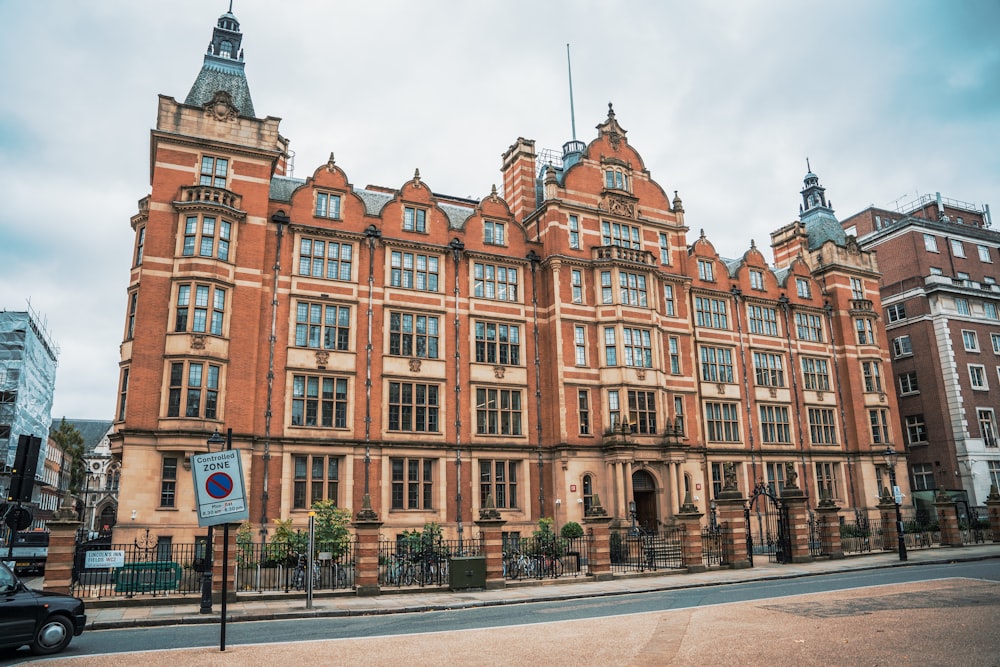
(940, 298)
(549, 346)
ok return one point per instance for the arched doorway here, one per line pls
(108, 517)
(644, 495)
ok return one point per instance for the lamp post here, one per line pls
(890, 457)
(206, 573)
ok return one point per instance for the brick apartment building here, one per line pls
(555, 343)
(940, 298)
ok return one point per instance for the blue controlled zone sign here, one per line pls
(220, 494)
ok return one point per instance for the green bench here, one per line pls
(147, 577)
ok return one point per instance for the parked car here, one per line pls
(45, 621)
(29, 552)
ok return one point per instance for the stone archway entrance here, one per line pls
(644, 495)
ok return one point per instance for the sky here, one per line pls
(724, 101)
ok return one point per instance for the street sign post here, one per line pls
(219, 490)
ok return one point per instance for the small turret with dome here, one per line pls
(223, 69)
(816, 213)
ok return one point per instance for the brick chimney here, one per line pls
(519, 178)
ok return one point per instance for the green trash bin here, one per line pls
(467, 573)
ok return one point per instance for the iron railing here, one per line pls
(426, 564)
(714, 546)
(279, 567)
(158, 570)
(863, 535)
(547, 557)
(637, 551)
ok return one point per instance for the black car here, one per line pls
(46, 621)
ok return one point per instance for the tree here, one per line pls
(331, 527)
(69, 439)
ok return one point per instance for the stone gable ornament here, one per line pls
(221, 107)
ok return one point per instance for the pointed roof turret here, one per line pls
(222, 70)
(817, 213)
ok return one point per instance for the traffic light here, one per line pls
(22, 480)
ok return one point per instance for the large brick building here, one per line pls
(555, 343)
(941, 298)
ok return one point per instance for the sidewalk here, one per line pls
(106, 614)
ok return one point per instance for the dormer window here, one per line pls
(616, 179)
(327, 205)
(414, 219)
(493, 233)
(214, 171)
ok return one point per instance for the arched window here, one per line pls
(588, 494)
(226, 49)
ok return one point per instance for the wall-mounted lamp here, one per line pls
(133, 514)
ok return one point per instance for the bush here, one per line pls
(571, 529)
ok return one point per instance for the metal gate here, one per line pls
(767, 527)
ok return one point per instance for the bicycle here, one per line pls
(399, 572)
(522, 567)
(299, 577)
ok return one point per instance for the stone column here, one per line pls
(691, 549)
(993, 508)
(62, 548)
(887, 510)
(491, 528)
(829, 522)
(598, 523)
(947, 516)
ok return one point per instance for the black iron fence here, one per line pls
(637, 551)
(714, 546)
(816, 546)
(129, 570)
(863, 535)
(546, 557)
(279, 567)
(422, 564)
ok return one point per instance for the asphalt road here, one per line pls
(921, 615)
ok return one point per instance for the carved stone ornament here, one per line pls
(640, 373)
(791, 477)
(414, 365)
(615, 140)
(197, 341)
(721, 388)
(221, 107)
(729, 475)
(820, 396)
(322, 357)
(620, 206)
(881, 397)
(773, 392)
(498, 372)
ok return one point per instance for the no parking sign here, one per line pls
(219, 490)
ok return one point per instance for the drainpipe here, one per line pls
(372, 234)
(534, 258)
(792, 368)
(457, 247)
(280, 220)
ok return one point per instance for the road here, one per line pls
(930, 614)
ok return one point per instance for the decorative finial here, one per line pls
(493, 192)
(678, 204)
(611, 111)
(330, 162)
(230, 6)
(753, 244)
(701, 233)
(416, 177)
(808, 168)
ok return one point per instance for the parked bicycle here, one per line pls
(399, 572)
(299, 576)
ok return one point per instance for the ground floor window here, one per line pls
(315, 478)
(412, 484)
(498, 479)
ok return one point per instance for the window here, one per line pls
(615, 179)
(802, 288)
(498, 411)
(574, 232)
(984, 254)
(989, 280)
(977, 377)
(322, 326)
(168, 481)
(140, 244)
(638, 347)
(957, 248)
(632, 288)
(716, 364)
(710, 313)
(614, 409)
(826, 479)
(642, 410)
(673, 344)
(901, 346)
(202, 236)
(962, 306)
(768, 369)
(872, 372)
(576, 282)
(193, 390)
(316, 478)
(822, 427)
(857, 289)
(930, 243)
(916, 429)
(325, 259)
(606, 291)
(123, 394)
(679, 415)
(583, 404)
(895, 312)
(414, 219)
(664, 248)
(970, 340)
(775, 477)
(809, 327)
(716, 480)
(498, 343)
(878, 419)
(995, 340)
(668, 301)
(923, 476)
(580, 345)
(499, 480)
(774, 427)
(413, 335)
(762, 320)
(588, 494)
(963, 277)
(413, 406)
(327, 205)
(815, 374)
(722, 422)
(133, 300)
(990, 310)
(412, 484)
(908, 383)
(706, 271)
(625, 236)
(319, 401)
(214, 171)
(866, 331)
(493, 282)
(610, 347)
(756, 279)
(936, 271)
(493, 233)
(994, 468)
(413, 271)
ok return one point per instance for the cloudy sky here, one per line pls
(724, 100)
